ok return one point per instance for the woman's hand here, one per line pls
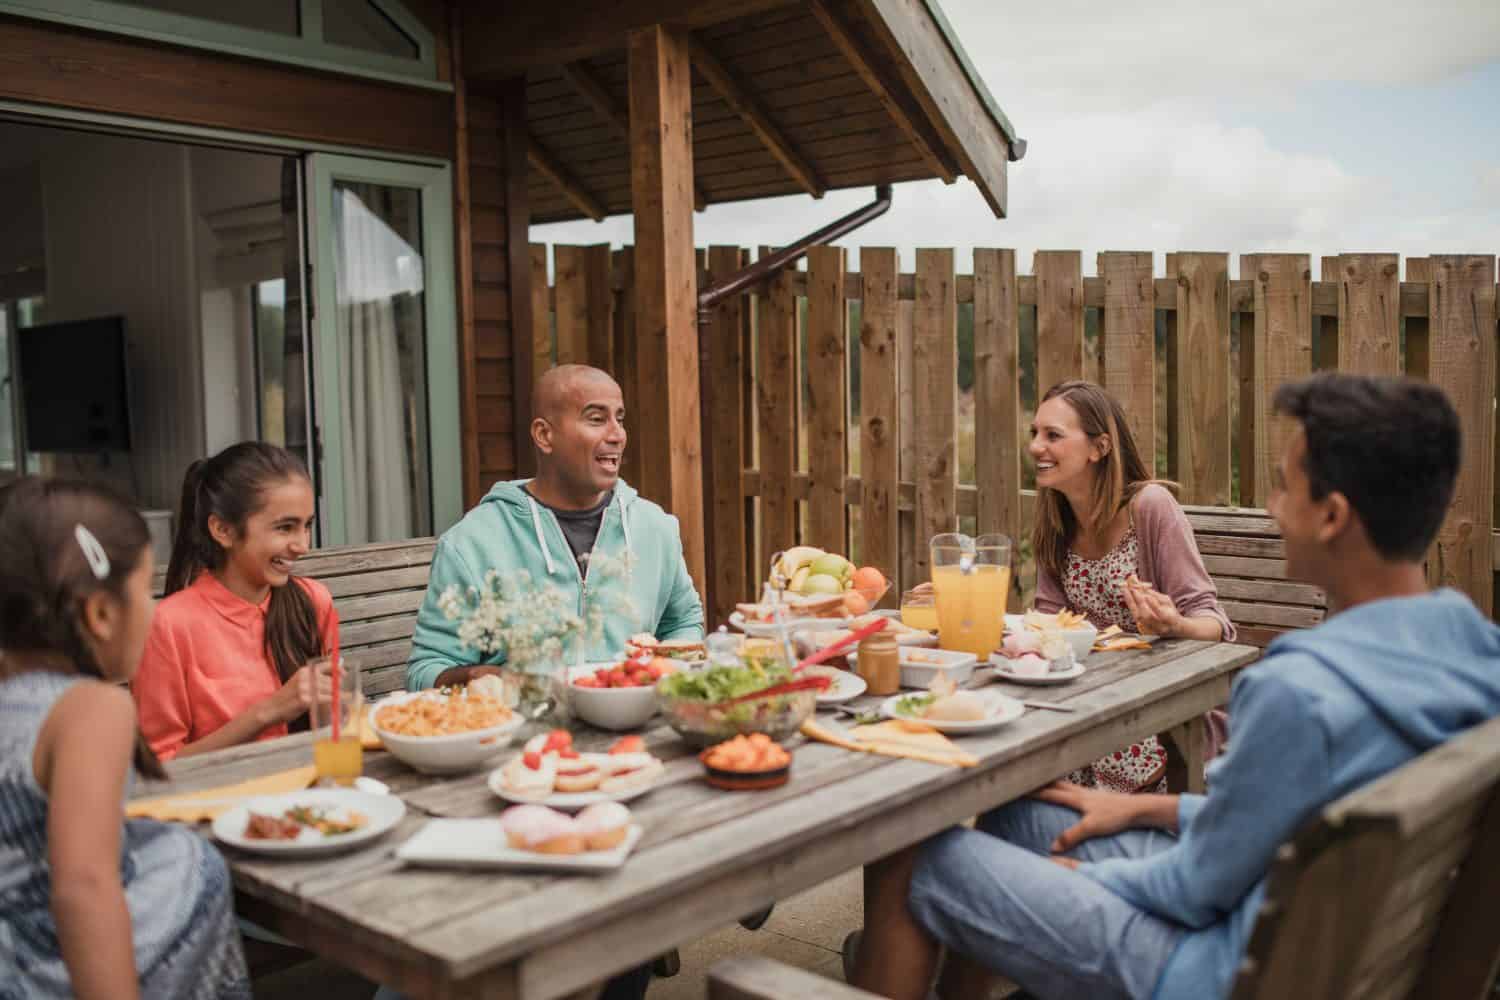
(1102, 813)
(1155, 613)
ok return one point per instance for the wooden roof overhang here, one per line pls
(789, 97)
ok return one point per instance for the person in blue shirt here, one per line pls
(1084, 893)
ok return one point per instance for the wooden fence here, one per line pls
(786, 357)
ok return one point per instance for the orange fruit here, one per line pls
(856, 603)
(868, 579)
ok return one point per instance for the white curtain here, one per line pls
(374, 266)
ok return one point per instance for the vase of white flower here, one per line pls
(533, 628)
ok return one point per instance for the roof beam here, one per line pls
(506, 39)
(592, 90)
(580, 196)
(860, 60)
(742, 104)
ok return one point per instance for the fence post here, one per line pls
(572, 304)
(1418, 271)
(827, 399)
(1059, 317)
(726, 503)
(1461, 310)
(1129, 343)
(1329, 328)
(622, 331)
(776, 398)
(879, 421)
(1200, 437)
(997, 392)
(934, 390)
(1283, 347)
(1369, 313)
(541, 313)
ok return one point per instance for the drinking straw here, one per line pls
(333, 662)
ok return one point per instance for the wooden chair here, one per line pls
(1244, 554)
(1394, 891)
(756, 977)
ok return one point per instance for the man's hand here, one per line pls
(459, 676)
(1104, 813)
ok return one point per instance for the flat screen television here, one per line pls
(73, 386)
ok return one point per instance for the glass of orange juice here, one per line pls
(338, 753)
(918, 610)
(970, 582)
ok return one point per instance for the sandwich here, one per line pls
(686, 650)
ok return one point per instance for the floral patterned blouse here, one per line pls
(1095, 587)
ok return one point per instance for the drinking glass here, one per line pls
(338, 753)
(919, 611)
(970, 581)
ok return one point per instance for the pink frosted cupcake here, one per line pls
(604, 825)
(546, 831)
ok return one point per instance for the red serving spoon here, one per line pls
(804, 683)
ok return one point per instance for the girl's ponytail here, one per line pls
(189, 556)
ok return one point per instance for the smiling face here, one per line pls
(1064, 453)
(275, 535)
(582, 436)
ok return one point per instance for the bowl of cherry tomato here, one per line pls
(618, 695)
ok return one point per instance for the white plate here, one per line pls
(567, 800)
(480, 843)
(845, 686)
(1003, 673)
(769, 630)
(1003, 709)
(380, 811)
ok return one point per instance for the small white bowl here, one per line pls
(443, 754)
(610, 708)
(1080, 639)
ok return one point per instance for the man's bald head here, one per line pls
(567, 389)
(578, 429)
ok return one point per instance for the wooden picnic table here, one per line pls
(707, 858)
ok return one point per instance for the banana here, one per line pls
(796, 557)
(798, 579)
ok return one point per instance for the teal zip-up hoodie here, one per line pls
(510, 531)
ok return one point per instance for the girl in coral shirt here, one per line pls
(230, 657)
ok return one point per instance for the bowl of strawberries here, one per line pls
(617, 695)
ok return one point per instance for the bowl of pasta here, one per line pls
(446, 730)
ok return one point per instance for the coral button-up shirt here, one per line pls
(206, 662)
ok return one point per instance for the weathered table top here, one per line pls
(707, 858)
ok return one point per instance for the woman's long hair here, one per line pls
(46, 576)
(1118, 476)
(231, 486)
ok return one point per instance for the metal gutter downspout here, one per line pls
(736, 283)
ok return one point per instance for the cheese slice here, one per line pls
(199, 807)
(896, 738)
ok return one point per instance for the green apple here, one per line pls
(832, 565)
(822, 583)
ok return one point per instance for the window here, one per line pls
(360, 24)
(277, 16)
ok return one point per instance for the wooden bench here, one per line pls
(1394, 891)
(1244, 554)
(376, 590)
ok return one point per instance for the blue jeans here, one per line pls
(991, 894)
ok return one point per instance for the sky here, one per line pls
(1310, 126)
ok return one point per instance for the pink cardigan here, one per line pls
(1168, 560)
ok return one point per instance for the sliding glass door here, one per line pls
(385, 348)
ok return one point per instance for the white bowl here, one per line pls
(443, 754)
(610, 708)
(1081, 640)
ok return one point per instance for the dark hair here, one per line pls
(1120, 476)
(1390, 445)
(45, 575)
(231, 486)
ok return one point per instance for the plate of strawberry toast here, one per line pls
(550, 772)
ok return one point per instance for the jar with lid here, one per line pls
(879, 663)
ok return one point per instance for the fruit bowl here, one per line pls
(615, 708)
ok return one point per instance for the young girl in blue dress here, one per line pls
(91, 905)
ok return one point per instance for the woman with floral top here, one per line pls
(1112, 543)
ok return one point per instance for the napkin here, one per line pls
(200, 807)
(895, 739)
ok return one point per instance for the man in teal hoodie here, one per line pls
(1090, 893)
(554, 525)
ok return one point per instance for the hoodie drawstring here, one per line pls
(541, 539)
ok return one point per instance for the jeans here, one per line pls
(991, 894)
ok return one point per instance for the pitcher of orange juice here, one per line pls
(970, 582)
(338, 753)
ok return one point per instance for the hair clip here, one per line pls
(92, 551)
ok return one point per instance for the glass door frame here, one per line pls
(439, 281)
